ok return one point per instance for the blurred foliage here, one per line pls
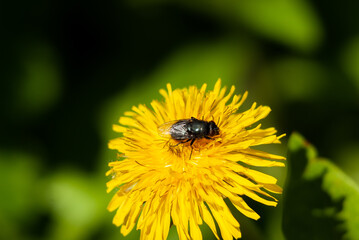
(296, 25)
(69, 69)
(19, 183)
(320, 200)
(350, 60)
(40, 85)
(77, 203)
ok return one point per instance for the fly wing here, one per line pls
(174, 129)
(164, 130)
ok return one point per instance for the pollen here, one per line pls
(159, 181)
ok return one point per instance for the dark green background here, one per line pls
(69, 69)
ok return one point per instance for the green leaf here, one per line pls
(320, 201)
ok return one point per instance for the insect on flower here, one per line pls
(158, 185)
(186, 130)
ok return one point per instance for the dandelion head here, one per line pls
(162, 179)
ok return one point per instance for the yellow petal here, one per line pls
(207, 218)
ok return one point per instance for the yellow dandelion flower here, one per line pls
(162, 181)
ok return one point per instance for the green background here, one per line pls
(69, 69)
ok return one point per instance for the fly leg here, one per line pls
(191, 147)
(209, 138)
(173, 149)
(186, 141)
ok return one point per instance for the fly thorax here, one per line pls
(198, 128)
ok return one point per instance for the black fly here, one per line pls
(186, 130)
